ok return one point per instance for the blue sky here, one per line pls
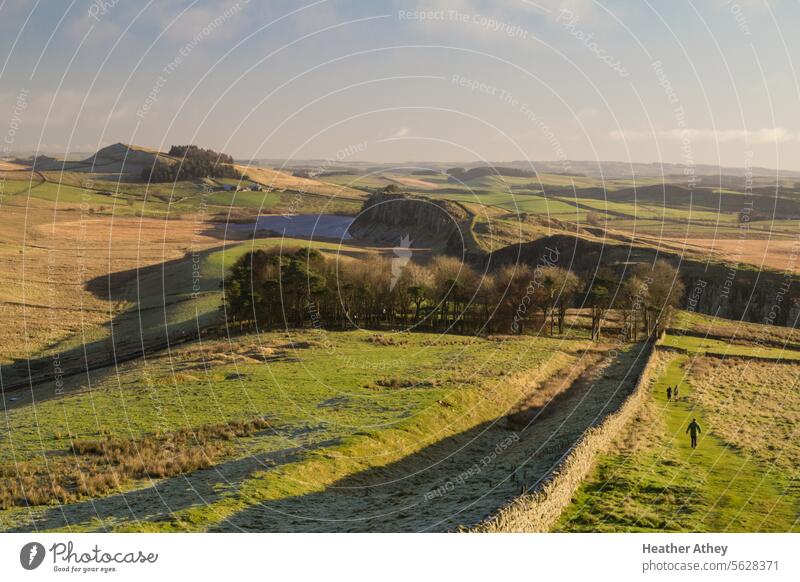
(674, 81)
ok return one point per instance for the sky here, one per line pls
(692, 82)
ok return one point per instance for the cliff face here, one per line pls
(766, 297)
(727, 291)
(440, 225)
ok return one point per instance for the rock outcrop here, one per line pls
(440, 225)
(730, 291)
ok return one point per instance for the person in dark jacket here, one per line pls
(669, 393)
(693, 429)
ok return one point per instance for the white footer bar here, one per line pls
(389, 557)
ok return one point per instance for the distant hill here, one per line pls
(123, 153)
(115, 159)
(464, 175)
(600, 169)
(763, 203)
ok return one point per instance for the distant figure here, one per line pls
(675, 393)
(693, 429)
(669, 393)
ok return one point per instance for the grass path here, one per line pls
(657, 482)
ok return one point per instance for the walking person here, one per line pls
(675, 393)
(669, 393)
(693, 429)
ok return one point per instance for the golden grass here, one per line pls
(6, 166)
(285, 181)
(104, 465)
(738, 331)
(778, 254)
(754, 406)
(47, 256)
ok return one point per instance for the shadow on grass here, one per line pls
(141, 330)
(457, 481)
(157, 501)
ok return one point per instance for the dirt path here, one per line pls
(458, 481)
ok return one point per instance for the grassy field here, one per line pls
(328, 412)
(146, 309)
(267, 432)
(519, 203)
(737, 331)
(50, 254)
(727, 348)
(643, 211)
(754, 406)
(71, 190)
(58, 240)
(742, 476)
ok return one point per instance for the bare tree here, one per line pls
(664, 292)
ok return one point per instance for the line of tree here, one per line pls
(301, 287)
(193, 163)
(198, 153)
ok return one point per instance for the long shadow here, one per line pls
(138, 331)
(157, 501)
(458, 481)
(133, 334)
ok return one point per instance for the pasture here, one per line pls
(741, 477)
(325, 412)
(265, 431)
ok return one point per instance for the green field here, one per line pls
(520, 202)
(173, 199)
(217, 434)
(737, 331)
(332, 412)
(649, 211)
(727, 348)
(655, 481)
(59, 193)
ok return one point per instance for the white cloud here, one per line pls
(402, 132)
(764, 135)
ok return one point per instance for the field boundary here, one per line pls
(721, 356)
(538, 511)
(740, 341)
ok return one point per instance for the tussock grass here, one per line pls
(100, 466)
(754, 406)
(384, 340)
(334, 418)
